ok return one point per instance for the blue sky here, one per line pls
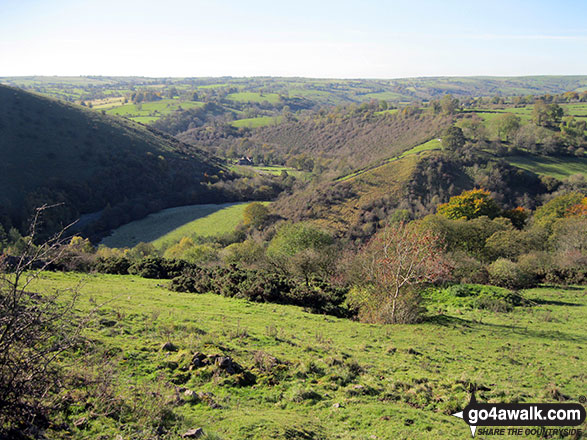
(335, 39)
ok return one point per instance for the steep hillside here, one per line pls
(410, 185)
(346, 140)
(53, 152)
(342, 206)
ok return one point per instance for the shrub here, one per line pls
(112, 265)
(157, 267)
(467, 269)
(506, 273)
(568, 268)
(264, 286)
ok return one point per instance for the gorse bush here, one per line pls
(263, 286)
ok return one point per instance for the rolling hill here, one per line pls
(307, 91)
(55, 152)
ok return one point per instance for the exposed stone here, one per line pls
(193, 433)
(168, 346)
(198, 360)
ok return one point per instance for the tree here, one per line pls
(547, 115)
(474, 128)
(470, 204)
(449, 104)
(573, 130)
(507, 125)
(302, 249)
(558, 207)
(255, 214)
(453, 139)
(35, 328)
(396, 260)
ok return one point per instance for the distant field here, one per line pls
(172, 224)
(274, 170)
(559, 168)
(387, 112)
(261, 121)
(107, 103)
(154, 109)
(214, 86)
(579, 110)
(144, 119)
(432, 144)
(273, 98)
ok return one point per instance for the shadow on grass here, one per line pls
(554, 286)
(455, 322)
(548, 302)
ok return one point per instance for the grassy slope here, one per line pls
(383, 182)
(524, 355)
(432, 144)
(260, 121)
(43, 140)
(352, 140)
(558, 167)
(170, 225)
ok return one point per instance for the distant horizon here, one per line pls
(343, 39)
(293, 77)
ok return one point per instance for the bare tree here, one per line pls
(397, 259)
(35, 329)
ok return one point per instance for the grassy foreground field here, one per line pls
(317, 377)
(170, 225)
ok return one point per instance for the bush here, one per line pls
(536, 264)
(506, 273)
(159, 268)
(467, 269)
(112, 265)
(263, 286)
(569, 268)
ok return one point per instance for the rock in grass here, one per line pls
(168, 346)
(193, 433)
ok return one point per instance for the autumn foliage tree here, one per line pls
(397, 261)
(470, 204)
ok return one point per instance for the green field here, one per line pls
(170, 225)
(153, 110)
(260, 121)
(387, 112)
(557, 167)
(432, 144)
(272, 98)
(317, 377)
(275, 170)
